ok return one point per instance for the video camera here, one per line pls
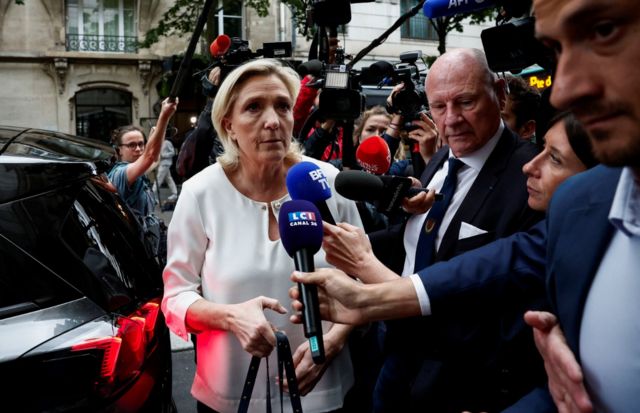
(412, 99)
(340, 98)
(231, 52)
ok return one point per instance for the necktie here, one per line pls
(425, 250)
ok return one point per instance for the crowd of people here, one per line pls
(514, 291)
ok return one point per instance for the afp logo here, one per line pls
(299, 218)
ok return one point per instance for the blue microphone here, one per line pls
(300, 226)
(305, 180)
(442, 8)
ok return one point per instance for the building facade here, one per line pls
(74, 66)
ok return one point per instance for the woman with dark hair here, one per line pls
(135, 158)
(567, 151)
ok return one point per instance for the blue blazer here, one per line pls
(578, 235)
(562, 253)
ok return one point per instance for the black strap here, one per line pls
(285, 364)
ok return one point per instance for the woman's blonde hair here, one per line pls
(228, 95)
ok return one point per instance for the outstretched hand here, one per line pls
(337, 294)
(420, 203)
(565, 375)
(347, 247)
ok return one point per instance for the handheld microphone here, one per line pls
(305, 180)
(300, 226)
(220, 45)
(373, 155)
(442, 8)
(386, 191)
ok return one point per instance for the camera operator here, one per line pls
(422, 133)
(324, 141)
(201, 146)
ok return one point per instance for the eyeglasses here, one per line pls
(133, 145)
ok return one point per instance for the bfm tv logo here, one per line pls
(317, 176)
(302, 218)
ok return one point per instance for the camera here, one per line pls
(340, 97)
(239, 53)
(412, 99)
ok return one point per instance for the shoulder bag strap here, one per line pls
(285, 364)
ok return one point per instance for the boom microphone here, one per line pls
(442, 8)
(373, 155)
(386, 191)
(300, 226)
(305, 180)
(220, 45)
(313, 67)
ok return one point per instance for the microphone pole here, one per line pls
(378, 41)
(186, 60)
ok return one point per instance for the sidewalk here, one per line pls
(177, 344)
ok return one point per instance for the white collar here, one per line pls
(625, 208)
(477, 159)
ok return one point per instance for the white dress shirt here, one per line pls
(467, 174)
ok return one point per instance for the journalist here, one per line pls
(135, 158)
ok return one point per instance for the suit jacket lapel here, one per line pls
(481, 188)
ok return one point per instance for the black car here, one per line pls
(80, 321)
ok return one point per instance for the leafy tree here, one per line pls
(445, 25)
(181, 17)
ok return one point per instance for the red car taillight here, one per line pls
(123, 354)
(110, 347)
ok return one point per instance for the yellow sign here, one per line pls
(540, 83)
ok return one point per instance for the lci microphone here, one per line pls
(300, 226)
(373, 155)
(220, 45)
(442, 8)
(305, 180)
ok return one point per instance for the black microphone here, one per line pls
(300, 227)
(386, 191)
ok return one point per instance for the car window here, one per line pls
(89, 238)
(26, 285)
(101, 230)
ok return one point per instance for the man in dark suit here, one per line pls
(589, 245)
(488, 201)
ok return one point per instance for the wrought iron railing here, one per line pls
(95, 43)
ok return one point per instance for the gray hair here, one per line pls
(228, 95)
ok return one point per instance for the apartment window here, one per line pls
(418, 26)
(99, 111)
(102, 26)
(229, 19)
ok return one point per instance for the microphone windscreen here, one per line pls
(359, 185)
(373, 155)
(312, 67)
(300, 226)
(220, 45)
(442, 8)
(305, 180)
(381, 69)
